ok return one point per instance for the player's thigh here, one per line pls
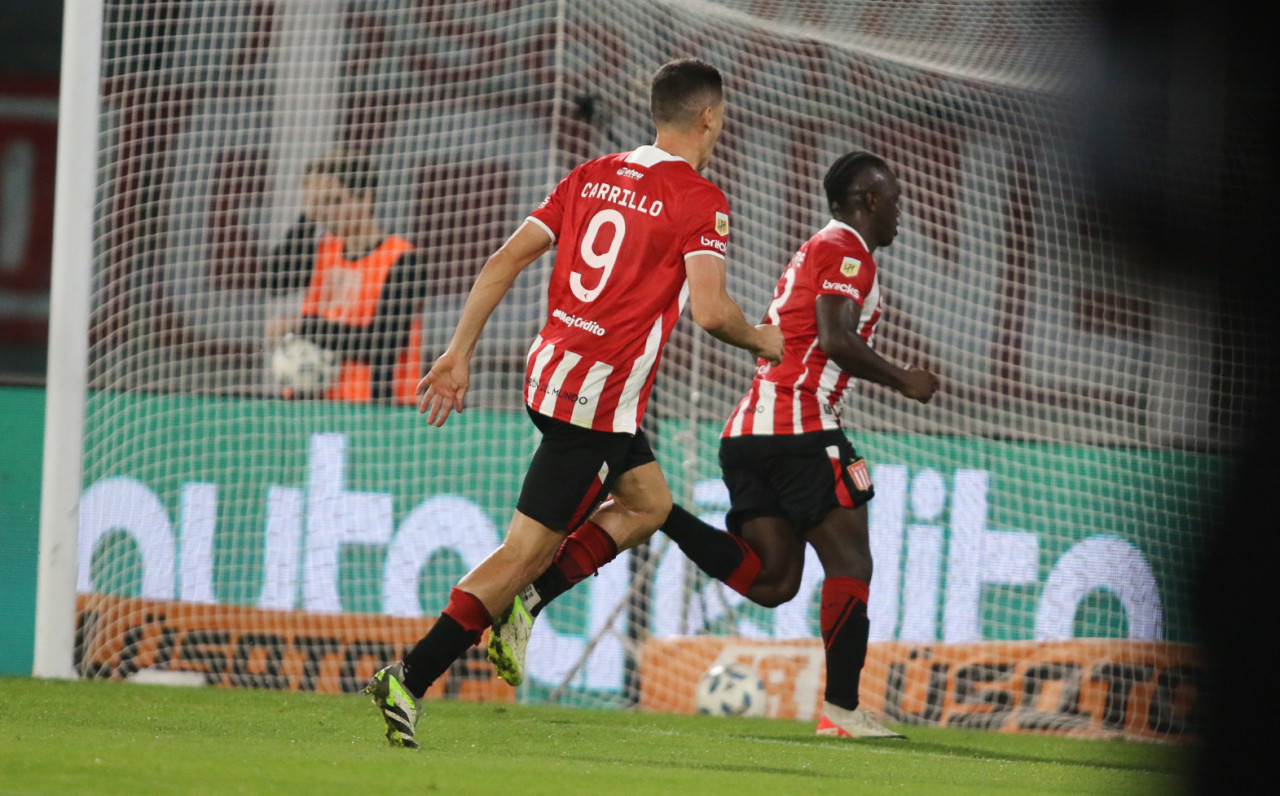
(842, 543)
(640, 498)
(781, 552)
(644, 490)
(571, 473)
(758, 517)
(744, 466)
(816, 474)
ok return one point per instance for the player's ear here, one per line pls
(707, 119)
(704, 118)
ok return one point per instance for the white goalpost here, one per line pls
(1033, 526)
(68, 339)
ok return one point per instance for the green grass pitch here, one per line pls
(122, 738)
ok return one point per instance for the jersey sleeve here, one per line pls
(841, 271)
(550, 214)
(708, 211)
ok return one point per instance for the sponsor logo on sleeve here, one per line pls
(850, 266)
(722, 224)
(841, 287)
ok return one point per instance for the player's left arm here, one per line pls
(838, 320)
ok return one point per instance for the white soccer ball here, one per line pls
(731, 689)
(300, 368)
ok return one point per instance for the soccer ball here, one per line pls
(300, 368)
(731, 689)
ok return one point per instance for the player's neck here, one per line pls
(363, 237)
(858, 224)
(683, 146)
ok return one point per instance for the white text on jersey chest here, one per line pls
(622, 196)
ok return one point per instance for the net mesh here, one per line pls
(1049, 492)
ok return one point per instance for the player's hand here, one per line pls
(920, 385)
(770, 344)
(444, 388)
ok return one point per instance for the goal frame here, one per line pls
(69, 301)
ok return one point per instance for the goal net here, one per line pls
(1032, 524)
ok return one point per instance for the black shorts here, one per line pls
(799, 477)
(574, 469)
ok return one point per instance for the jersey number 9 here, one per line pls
(603, 261)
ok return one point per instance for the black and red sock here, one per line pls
(845, 629)
(718, 553)
(458, 628)
(580, 556)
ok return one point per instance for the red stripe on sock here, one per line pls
(584, 551)
(467, 610)
(745, 574)
(840, 596)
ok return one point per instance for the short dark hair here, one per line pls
(680, 89)
(852, 170)
(353, 170)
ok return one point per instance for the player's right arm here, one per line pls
(445, 386)
(715, 310)
(838, 320)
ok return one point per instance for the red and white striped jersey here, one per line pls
(623, 226)
(802, 394)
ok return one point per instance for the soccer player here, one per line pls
(793, 476)
(637, 235)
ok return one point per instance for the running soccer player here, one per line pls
(793, 475)
(637, 234)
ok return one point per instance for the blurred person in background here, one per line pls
(363, 287)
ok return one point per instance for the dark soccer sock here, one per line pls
(458, 628)
(718, 553)
(580, 556)
(845, 627)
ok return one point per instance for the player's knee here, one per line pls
(772, 592)
(650, 508)
(771, 596)
(657, 510)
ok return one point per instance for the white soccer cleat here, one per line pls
(509, 637)
(838, 722)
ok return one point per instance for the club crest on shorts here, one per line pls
(722, 224)
(860, 475)
(850, 266)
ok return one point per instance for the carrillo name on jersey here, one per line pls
(622, 196)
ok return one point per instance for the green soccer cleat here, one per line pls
(399, 707)
(509, 637)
